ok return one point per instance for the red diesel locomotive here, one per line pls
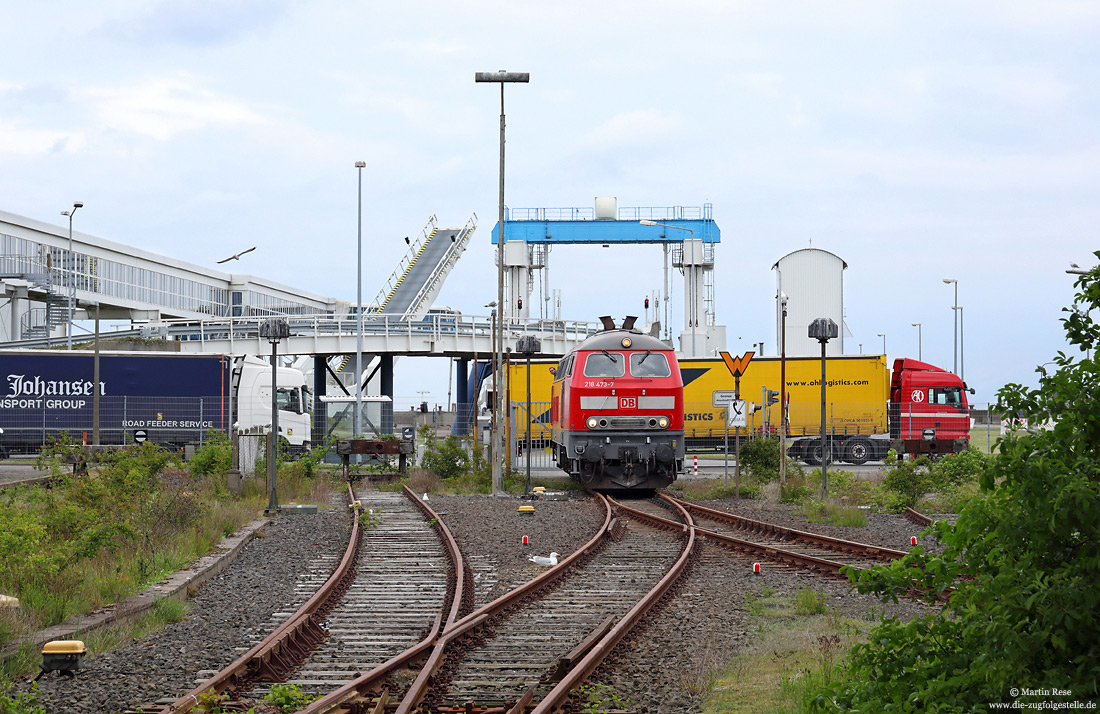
(617, 411)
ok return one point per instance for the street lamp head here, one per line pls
(916, 324)
(822, 329)
(948, 281)
(360, 164)
(78, 204)
(66, 213)
(502, 76)
(645, 222)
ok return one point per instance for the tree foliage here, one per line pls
(1023, 559)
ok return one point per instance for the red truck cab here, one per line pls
(929, 413)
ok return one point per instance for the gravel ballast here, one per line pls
(655, 669)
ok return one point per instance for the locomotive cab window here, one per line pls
(649, 364)
(604, 364)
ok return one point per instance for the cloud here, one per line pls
(636, 127)
(16, 139)
(164, 106)
(201, 23)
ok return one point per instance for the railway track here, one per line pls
(397, 584)
(400, 588)
(525, 651)
(533, 647)
(395, 641)
(781, 544)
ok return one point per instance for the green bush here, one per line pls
(446, 458)
(958, 469)
(214, 457)
(761, 458)
(909, 480)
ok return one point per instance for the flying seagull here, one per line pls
(546, 562)
(238, 255)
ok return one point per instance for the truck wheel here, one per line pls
(812, 453)
(815, 454)
(858, 451)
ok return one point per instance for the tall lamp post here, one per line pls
(962, 350)
(823, 329)
(273, 330)
(357, 431)
(917, 325)
(955, 309)
(72, 276)
(883, 336)
(691, 235)
(498, 324)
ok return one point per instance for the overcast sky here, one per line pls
(917, 141)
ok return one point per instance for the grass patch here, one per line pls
(715, 488)
(835, 513)
(799, 647)
(95, 540)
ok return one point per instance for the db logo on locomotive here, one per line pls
(628, 402)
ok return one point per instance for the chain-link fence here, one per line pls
(29, 423)
(706, 429)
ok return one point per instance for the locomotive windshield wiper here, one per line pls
(610, 356)
(647, 353)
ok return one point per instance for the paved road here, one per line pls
(11, 472)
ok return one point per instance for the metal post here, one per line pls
(273, 330)
(498, 326)
(530, 426)
(736, 443)
(955, 309)
(824, 444)
(71, 280)
(783, 391)
(356, 427)
(726, 451)
(919, 354)
(823, 329)
(95, 382)
(962, 347)
(273, 434)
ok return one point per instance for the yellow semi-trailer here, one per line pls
(858, 390)
(917, 408)
(541, 380)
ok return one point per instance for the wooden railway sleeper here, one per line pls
(569, 660)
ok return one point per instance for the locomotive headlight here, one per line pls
(663, 422)
(592, 422)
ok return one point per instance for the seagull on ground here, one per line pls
(238, 255)
(545, 562)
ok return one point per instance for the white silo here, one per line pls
(813, 281)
